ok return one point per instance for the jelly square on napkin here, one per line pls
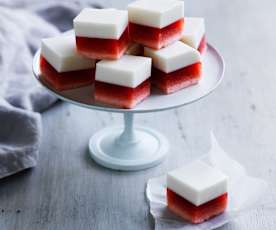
(244, 192)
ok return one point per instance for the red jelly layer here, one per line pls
(65, 80)
(154, 37)
(176, 80)
(192, 213)
(98, 48)
(120, 96)
(202, 45)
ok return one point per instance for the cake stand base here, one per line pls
(128, 148)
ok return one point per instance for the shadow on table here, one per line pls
(15, 178)
(10, 184)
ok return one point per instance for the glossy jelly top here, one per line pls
(129, 71)
(197, 182)
(173, 57)
(60, 52)
(155, 13)
(193, 32)
(101, 23)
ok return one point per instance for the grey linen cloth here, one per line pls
(21, 97)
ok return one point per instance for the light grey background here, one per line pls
(69, 191)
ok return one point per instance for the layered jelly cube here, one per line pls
(62, 67)
(124, 82)
(194, 33)
(175, 67)
(102, 33)
(197, 192)
(156, 23)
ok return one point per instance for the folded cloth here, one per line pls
(21, 98)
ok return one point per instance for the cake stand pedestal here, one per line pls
(128, 148)
(135, 148)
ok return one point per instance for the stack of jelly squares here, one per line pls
(123, 53)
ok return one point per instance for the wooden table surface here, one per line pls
(68, 191)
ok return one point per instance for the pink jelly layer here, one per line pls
(120, 96)
(154, 37)
(202, 45)
(65, 80)
(192, 213)
(176, 80)
(98, 48)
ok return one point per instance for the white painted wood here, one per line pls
(68, 191)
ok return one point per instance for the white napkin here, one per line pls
(243, 193)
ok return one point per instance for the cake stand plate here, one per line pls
(135, 148)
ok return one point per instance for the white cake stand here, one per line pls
(135, 148)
